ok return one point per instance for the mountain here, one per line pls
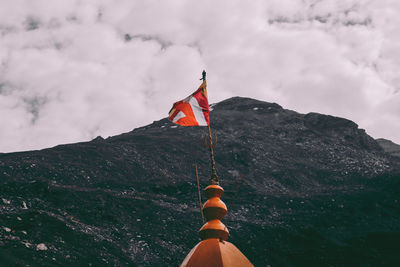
(389, 147)
(316, 191)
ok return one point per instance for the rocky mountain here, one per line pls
(389, 147)
(316, 191)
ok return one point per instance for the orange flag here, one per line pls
(193, 110)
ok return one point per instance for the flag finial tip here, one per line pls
(204, 75)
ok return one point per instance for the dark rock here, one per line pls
(316, 191)
(98, 139)
(389, 147)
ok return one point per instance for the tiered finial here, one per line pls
(203, 74)
(213, 249)
(214, 210)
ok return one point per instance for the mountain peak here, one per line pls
(389, 146)
(244, 103)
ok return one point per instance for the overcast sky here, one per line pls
(73, 70)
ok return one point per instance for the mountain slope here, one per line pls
(316, 190)
(389, 147)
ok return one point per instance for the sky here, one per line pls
(73, 70)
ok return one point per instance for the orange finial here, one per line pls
(214, 210)
(213, 249)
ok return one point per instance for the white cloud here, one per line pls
(72, 70)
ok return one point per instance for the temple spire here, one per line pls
(214, 210)
(213, 249)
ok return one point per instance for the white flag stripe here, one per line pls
(178, 116)
(198, 112)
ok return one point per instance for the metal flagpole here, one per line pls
(214, 177)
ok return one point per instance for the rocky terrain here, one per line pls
(316, 191)
(389, 147)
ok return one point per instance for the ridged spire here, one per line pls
(214, 210)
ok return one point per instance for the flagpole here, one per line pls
(214, 177)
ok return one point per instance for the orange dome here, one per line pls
(215, 253)
(214, 208)
(213, 191)
(214, 229)
(214, 250)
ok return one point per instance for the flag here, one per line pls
(193, 110)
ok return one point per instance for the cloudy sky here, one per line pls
(73, 70)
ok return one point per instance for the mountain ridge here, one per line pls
(389, 146)
(316, 190)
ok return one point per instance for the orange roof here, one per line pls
(214, 250)
(215, 253)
